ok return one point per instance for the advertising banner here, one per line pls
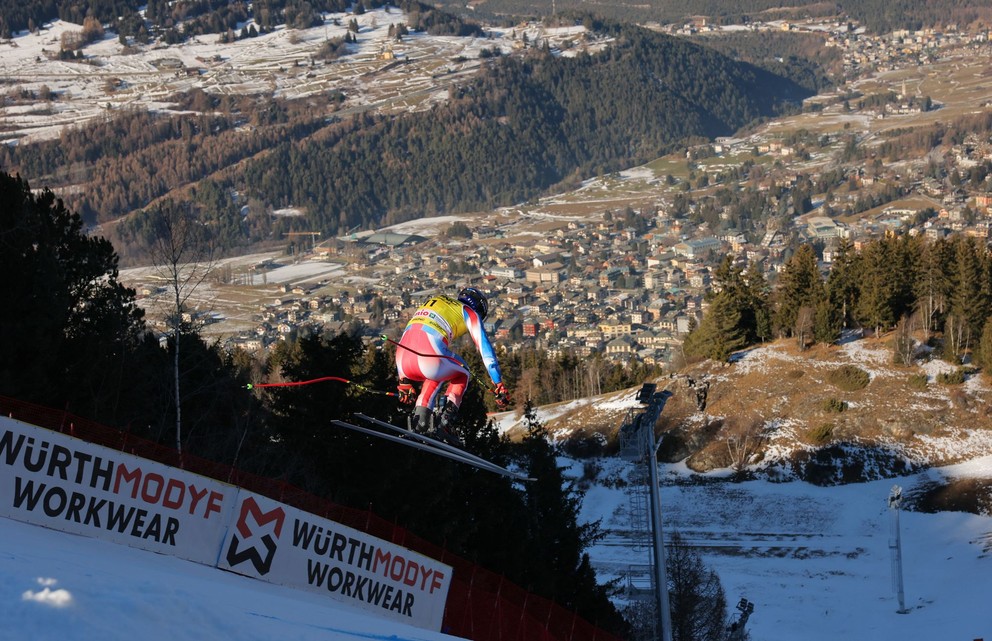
(57, 481)
(280, 544)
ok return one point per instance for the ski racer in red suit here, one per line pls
(424, 354)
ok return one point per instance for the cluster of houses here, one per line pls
(566, 292)
(595, 285)
(861, 51)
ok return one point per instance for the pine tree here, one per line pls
(730, 281)
(878, 287)
(759, 302)
(556, 541)
(842, 282)
(968, 295)
(800, 285)
(983, 354)
(719, 334)
(696, 597)
(319, 459)
(907, 250)
(68, 327)
(932, 286)
(827, 322)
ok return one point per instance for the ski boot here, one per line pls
(420, 421)
(444, 430)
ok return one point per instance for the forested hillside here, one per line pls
(880, 16)
(801, 57)
(522, 128)
(177, 21)
(524, 125)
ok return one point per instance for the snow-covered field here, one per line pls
(57, 587)
(283, 63)
(815, 561)
(277, 64)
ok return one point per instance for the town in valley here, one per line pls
(622, 265)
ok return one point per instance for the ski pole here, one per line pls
(338, 379)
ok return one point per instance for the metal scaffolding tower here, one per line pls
(640, 586)
(637, 444)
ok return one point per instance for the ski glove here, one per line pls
(407, 393)
(502, 396)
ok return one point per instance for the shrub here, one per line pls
(834, 405)
(821, 434)
(332, 49)
(92, 30)
(591, 470)
(959, 398)
(919, 381)
(457, 229)
(951, 378)
(849, 378)
(582, 444)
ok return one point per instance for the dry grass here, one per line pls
(781, 401)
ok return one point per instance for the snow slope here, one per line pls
(56, 586)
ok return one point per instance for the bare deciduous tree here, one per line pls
(956, 336)
(903, 343)
(804, 326)
(183, 255)
(929, 307)
(744, 443)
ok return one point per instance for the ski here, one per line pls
(431, 441)
(427, 444)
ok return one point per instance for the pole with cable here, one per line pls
(895, 546)
(648, 420)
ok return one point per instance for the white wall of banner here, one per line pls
(67, 484)
(284, 545)
(60, 482)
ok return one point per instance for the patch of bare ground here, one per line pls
(954, 495)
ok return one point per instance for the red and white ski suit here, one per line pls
(424, 354)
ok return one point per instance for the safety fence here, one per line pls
(482, 605)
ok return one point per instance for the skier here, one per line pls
(424, 354)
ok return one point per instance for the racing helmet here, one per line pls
(476, 300)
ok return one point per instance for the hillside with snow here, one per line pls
(743, 440)
(774, 411)
(814, 561)
(380, 72)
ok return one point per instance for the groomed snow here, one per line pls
(56, 587)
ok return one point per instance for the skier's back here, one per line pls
(424, 354)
